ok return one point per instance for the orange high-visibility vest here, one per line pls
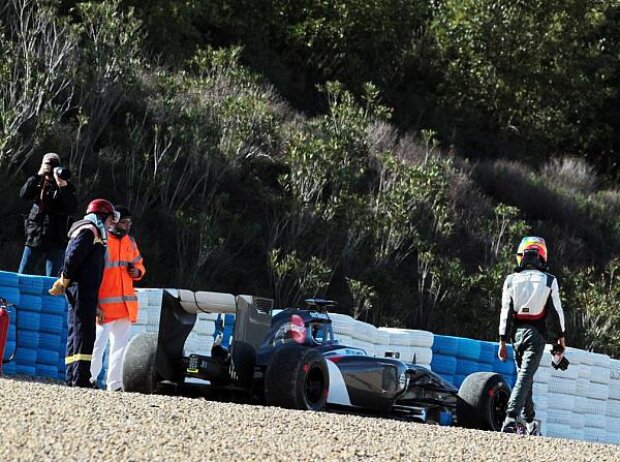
(117, 297)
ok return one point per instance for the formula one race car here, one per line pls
(292, 360)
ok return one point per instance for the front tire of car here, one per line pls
(482, 401)
(297, 378)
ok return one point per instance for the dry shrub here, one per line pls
(411, 149)
(381, 137)
(571, 174)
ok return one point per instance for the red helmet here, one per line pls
(102, 207)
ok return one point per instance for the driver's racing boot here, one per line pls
(532, 428)
(510, 425)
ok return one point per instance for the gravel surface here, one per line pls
(49, 422)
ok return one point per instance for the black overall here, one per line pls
(84, 262)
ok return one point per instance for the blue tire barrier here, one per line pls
(447, 378)
(12, 332)
(468, 349)
(51, 342)
(445, 345)
(52, 323)
(228, 331)
(26, 369)
(11, 294)
(48, 357)
(485, 367)
(45, 370)
(443, 364)
(28, 320)
(504, 368)
(9, 369)
(488, 352)
(9, 349)
(466, 366)
(445, 419)
(62, 367)
(9, 279)
(458, 380)
(29, 284)
(53, 305)
(28, 339)
(510, 379)
(26, 356)
(29, 302)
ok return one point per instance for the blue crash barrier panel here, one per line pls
(48, 357)
(468, 349)
(466, 366)
(25, 356)
(8, 279)
(28, 320)
(445, 345)
(488, 352)
(36, 285)
(28, 339)
(25, 369)
(29, 302)
(53, 305)
(51, 341)
(443, 364)
(52, 323)
(37, 332)
(11, 294)
(45, 370)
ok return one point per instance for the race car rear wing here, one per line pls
(178, 317)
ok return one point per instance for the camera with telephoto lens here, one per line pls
(62, 172)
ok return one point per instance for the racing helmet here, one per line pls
(103, 207)
(532, 246)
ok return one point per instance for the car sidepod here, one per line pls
(364, 382)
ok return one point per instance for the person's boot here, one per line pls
(532, 428)
(510, 425)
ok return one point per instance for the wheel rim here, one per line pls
(499, 407)
(314, 386)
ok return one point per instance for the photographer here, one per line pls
(54, 200)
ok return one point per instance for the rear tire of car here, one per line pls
(297, 378)
(139, 364)
(482, 401)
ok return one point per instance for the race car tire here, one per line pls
(139, 364)
(482, 401)
(297, 378)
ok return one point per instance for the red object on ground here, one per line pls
(4, 332)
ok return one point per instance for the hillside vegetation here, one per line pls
(388, 154)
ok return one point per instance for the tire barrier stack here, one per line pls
(582, 402)
(408, 345)
(201, 339)
(37, 333)
(411, 346)
(454, 358)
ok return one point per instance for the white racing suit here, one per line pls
(530, 302)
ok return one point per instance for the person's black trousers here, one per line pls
(81, 324)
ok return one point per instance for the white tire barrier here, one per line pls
(561, 402)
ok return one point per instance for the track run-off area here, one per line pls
(49, 422)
